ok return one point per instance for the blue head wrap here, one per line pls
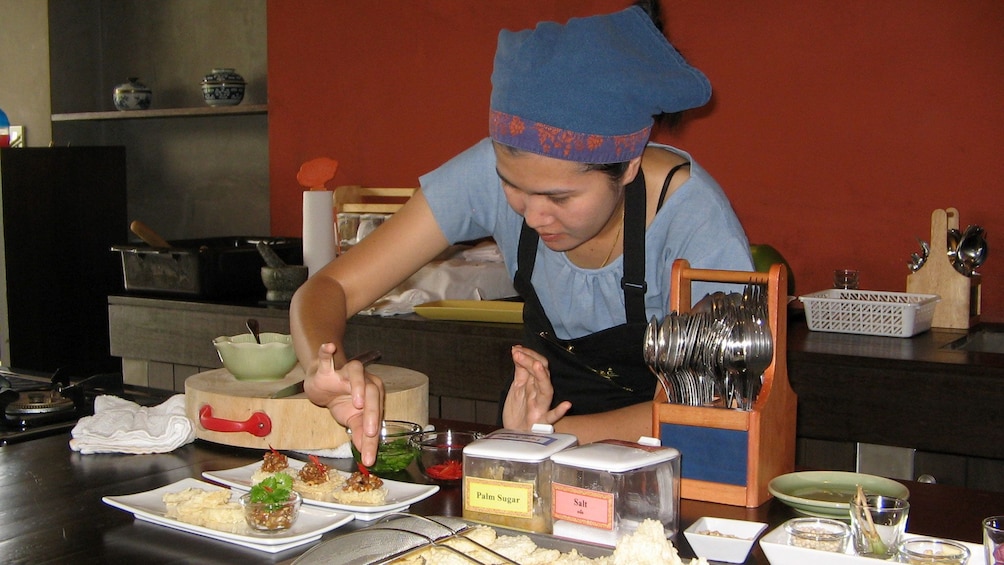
(588, 90)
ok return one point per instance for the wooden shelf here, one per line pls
(163, 113)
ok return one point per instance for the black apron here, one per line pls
(604, 370)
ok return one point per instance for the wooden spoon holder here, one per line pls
(730, 456)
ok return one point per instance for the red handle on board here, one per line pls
(259, 424)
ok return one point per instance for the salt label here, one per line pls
(582, 506)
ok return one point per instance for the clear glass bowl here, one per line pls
(931, 551)
(271, 516)
(396, 450)
(821, 534)
(441, 454)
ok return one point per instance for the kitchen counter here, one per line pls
(53, 512)
(917, 393)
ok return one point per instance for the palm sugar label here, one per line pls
(505, 498)
(582, 506)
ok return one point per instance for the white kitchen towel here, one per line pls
(451, 279)
(122, 426)
(398, 302)
(343, 451)
(484, 251)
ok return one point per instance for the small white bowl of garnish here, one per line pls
(721, 539)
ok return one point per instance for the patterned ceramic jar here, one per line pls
(132, 95)
(223, 87)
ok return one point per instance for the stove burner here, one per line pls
(34, 406)
(38, 402)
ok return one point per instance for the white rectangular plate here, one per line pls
(399, 495)
(149, 506)
(778, 552)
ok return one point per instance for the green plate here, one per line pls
(828, 493)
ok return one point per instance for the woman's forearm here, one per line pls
(628, 424)
(317, 315)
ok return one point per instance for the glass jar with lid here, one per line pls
(603, 490)
(507, 477)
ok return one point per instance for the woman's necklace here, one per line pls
(614, 244)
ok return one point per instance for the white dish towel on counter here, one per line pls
(122, 426)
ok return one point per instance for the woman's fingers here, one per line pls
(529, 399)
(354, 398)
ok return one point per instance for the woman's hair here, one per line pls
(613, 170)
(654, 11)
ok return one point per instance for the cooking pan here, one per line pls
(221, 267)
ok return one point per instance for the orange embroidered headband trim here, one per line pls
(551, 141)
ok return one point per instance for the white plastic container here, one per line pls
(893, 314)
(604, 490)
(507, 478)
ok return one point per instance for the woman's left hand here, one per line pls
(529, 399)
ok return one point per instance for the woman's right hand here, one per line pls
(528, 401)
(354, 398)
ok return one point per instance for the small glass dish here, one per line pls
(271, 516)
(822, 534)
(931, 551)
(441, 454)
(396, 451)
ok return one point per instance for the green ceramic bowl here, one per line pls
(249, 361)
(828, 493)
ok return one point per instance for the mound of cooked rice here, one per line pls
(209, 509)
(646, 546)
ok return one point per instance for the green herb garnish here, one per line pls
(274, 491)
(392, 457)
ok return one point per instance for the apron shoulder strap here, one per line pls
(633, 282)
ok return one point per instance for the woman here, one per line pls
(589, 217)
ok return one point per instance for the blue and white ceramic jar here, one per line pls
(132, 95)
(223, 87)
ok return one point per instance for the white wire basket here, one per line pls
(868, 312)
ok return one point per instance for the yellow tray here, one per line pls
(473, 311)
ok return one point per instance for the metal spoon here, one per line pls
(972, 250)
(651, 354)
(917, 260)
(253, 328)
(954, 237)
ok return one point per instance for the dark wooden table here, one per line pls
(52, 512)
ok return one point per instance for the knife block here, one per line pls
(730, 456)
(961, 296)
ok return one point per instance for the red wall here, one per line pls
(836, 128)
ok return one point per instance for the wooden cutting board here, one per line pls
(295, 422)
(961, 296)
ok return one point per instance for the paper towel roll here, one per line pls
(318, 229)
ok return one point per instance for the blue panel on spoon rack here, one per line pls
(709, 454)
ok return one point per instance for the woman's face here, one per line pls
(562, 201)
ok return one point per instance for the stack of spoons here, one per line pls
(714, 355)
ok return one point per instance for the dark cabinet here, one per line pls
(63, 209)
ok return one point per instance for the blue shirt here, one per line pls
(696, 223)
